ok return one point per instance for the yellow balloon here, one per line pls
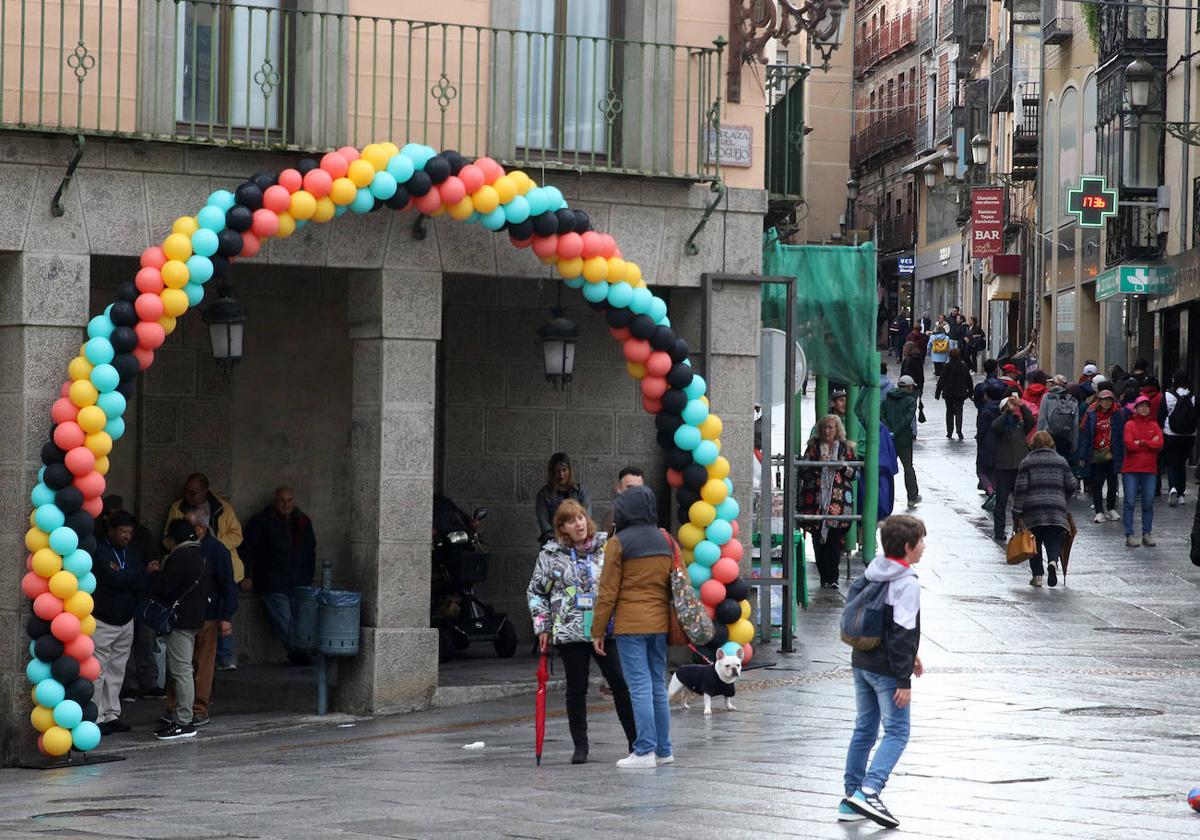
(463, 209)
(92, 419)
(175, 302)
(595, 269)
(46, 562)
(616, 269)
(304, 204)
(712, 427)
(56, 741)
(102, 465)
(87, 625)
(79, 604)
(506, 188)
(99, 442)
(64, 584)
(690, 535)
(187, 225)
(376, 155)
(704, 398)
(33, 695)
(714, 491)
(287, 225)
(177, 246)
(687, 555)
(80, 368)
(391, 148)
(83, 392)
(570, 269)
(343, 191)
(168, 323)
(324, 211)
(701, 514)
(633, 272)
(636, 369)
(718, 468)
(36, 539)
(485, 199)
(32, 518)
(41, 718)
(524, 182)
(175, 274)
(637, 284)
(361, 172)
(745, 605)
(741, 632)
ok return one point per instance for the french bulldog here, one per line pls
(718, 679)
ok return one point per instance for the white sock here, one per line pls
(868, 791)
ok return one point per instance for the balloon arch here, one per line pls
(87, 417)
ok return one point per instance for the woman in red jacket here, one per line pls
(1143, 441)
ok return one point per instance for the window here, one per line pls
(1089, 127)
(1116, 343)
(1066, 256)
(1068, 144)
(941, 216)
(1049, 179)
(1141, 151)
(1064, 331)
(564, 71)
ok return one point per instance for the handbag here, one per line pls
(687, 610)
(920, 411)
(160, 616)
(1021, 547)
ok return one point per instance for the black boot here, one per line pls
(577, 720)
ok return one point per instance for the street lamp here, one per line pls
(930, 171)
(225, 318)
(558, 337)
(949, 164)
(1139, 76)
(852, 189)
(980, 150)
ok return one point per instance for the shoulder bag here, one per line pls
(160, 616)
(1021, 547)
(689, 618)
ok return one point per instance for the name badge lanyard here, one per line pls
(583, 569)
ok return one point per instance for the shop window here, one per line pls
(1066, 257)
(1068, 145)
(1116, 343)
(1064, 331)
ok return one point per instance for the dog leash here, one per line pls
(693, 649)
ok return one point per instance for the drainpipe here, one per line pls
(1035, 301)
(1186, 149)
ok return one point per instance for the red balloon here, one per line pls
(80, 648)
(712, 592)
(290, 179)
(265, 223)
(153, 257)
(570, 245)
(42, 744)
(471, 177)
(29, 562)
(545, 246)
(619, 333)
(429, 203)
(747, 652)
(89, 669)
(94, 506)
(651, 406)
(591, 244)
(491, 170)
(149, 307)
(68, 435)
(149, 280)
(349, 153)
(277, 199)
(654, 387)
(736, 528)
(63, 410)
(33, 585)
(64, 626)
(712, 611)
(150, 335)
(318, 182)
(636, 350)
(90, 485)
(47, 605)
(145, 357)
(453, 190)
(732, 549)
(608, 246)
(674, 478)
(65, 390)
(521, 243)
(659, 363)
(80, 460)
(725, 570)
(251, 243)
(335, 165)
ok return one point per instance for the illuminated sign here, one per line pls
(1092, 202)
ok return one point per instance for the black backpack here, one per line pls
(1183, 415)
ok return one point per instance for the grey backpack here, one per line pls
(862, 617)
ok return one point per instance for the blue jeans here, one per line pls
(644, 661)
(1131, 483)
(279, 607)
(873, 697)
(225, 651)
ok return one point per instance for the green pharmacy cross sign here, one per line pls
(1092, 202)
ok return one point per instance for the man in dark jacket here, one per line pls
(990, 366)
(955, 385)
(120, 572)
(1009, 431)
(899, 414)
(985, 451)
(280, 553)
(183, 580)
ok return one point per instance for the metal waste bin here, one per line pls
(304, 621)
(338, 614)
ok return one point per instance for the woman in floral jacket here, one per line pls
(562, 595)
(827, 491)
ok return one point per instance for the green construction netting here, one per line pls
(836, 306)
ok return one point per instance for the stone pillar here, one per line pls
(43, 305)
(395, 322)
(647, 88)
(322, 42)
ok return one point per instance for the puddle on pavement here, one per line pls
(1111, 712)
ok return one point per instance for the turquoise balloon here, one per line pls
(222, 199)
(473, 218)
(113, 405)
(494, 220)
(400, 167)
(719, 532)
(698, 573)
(364, 202)
(728, 509)
(87, 583)
(705, 452)
(31, 648)
(41, 495)
(383, 185)
(729, 484)
(707, 552)
(100, 327)
(68, 714)
(63, 540)
(37, 671)
(696, 388)
(341, 210)
(301, 223)
(115, 428)
(554, 198)
(418, 154)
(664, 321)
(595, 292)
(212, 219)
(85, 736)
(538, 201)
(731, 648)
(574, 282)
(49, 517)
(78, 562)
(517, 210)
(99, 351)
(200, 269)
(619, 294)
(195, 293)
(41, 472)
(640, 304)
(657, 310)
(105, 378)
(695, 412)
(49, 693)
(204, 240)
(687, 437)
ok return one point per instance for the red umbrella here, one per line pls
(539, 713)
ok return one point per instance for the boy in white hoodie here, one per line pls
(882, 676)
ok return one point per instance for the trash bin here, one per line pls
(337, 622)
(304, 621)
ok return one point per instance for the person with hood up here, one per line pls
(635, 591)
(1139, 469)
(1177, 416)
(1101, 447)
(1035, 390)
(918, 339)
(955, 386)
(561, 594)
(1009, 432)
(939, 348)
(985, 443)
(1044, 484)
(1059, 415)
(899, 414)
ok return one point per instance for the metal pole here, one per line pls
(766, 492)
(791, 416)
(870, 512)
(852, 429)
(322, 661)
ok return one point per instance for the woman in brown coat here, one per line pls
(635, 591)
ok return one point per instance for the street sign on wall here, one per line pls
(1092, 203)
(906, 265)
(1133, 280)
(987, 222)
(736, 147)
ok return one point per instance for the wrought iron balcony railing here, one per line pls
(785, 132)
(1132, 234)
(895, 233)
(1058, 23)
(1000, 83)
(1132, 29)
(254, 75)
(892, 37)
(890, 134)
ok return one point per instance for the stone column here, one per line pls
(43, 305)
(395, 322)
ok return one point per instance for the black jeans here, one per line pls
(576, 658)
(1050, 539)
(1100, 474)
(1176, 451)
(904, 452)
(1005, 480)
(828, 552)
(954, 414)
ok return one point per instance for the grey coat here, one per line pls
(1009, 436)
(1044, 483)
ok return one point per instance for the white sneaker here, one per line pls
(1113, 516)
(1098, 518)
(660, 760)
(633, 761)
(1172, 498)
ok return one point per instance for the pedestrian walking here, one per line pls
(955, 386)
(1059, 415)
(883, 675)
(976, 342)
(985, 442)
(939, 348)
(562, 597)
(1009, 431)
(990, 368)
(1101, 447)
(1177, 415)
(897, 331)
(1044, 484)
(1139, 470)
(899, 414)
(913, 366)
(827, 491)
(635, 586)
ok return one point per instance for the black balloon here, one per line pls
(720, 637)
(79, 690)
(262, 180)
(681, 513)
(728, 611)
(307, 165)
(57, 476)
(641, 327)
(81, 522)
(229, 243)
(566, 220)
(222, 267)
(667, 422)
(127, 291)
(36, 627)
(583, 222)
(238, 218)
(51, 454)
(665, 439)
(695, 476)
(678, 459)
(127, 366)
(419, 184)
(663, 338)
(456, 161)
(437, 168)
(123, 314)
(686, 496)
(47, 648)
(680, 351)
(90, 711)
(618, 318)
(123, 339)
(376, 206)
(545, 224)
(400, 199)
(68, 499)
(674, 401)
(521, 230)
(249, 195)
(128, 390)
(88, 544)
(739, 590)
(65, 669)
(680, 376)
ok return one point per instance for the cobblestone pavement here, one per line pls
(1045, 713)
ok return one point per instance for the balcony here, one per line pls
(889, 135)
(895, 233)
(1132, 235)
(1000, 84)
(946, 21)
(891, 38)
(258, 76)
(1025, 137)
(971, 24)
(785, 132)
(1058, 23)
(926, 27)
(1128, 30)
